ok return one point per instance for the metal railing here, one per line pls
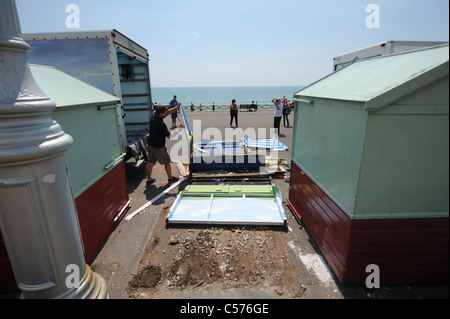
(225, 106)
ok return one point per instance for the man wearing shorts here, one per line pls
(156, 148)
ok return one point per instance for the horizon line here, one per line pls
(224, 86)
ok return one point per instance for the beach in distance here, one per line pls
(222, 96)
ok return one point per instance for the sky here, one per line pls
(245, 42)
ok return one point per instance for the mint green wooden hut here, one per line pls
(370, 166)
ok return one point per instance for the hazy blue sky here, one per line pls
(244, 42)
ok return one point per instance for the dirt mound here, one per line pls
(148, 277)
(183, 258)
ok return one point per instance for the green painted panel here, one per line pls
(328, 146)
(405, 170)
(96, 143)
(229, 190)
(434, 98)
(95, 132)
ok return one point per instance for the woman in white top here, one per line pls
(278, 114)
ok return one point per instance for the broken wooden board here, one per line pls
(228, 204)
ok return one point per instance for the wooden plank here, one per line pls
(139, 163)
(137, 211)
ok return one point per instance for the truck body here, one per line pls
(388, 47)
(107, 60)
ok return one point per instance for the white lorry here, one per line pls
(384, 48)
(107, 60)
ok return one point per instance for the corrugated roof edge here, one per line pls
(431, 44)
(80, 34)
(68, 35)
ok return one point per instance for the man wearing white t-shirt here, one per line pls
(278, 114)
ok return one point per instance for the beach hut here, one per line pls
(370, 167)
(95, 159)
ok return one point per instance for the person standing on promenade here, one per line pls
(234, 109)
(278, 114)
(156, 148)
(172, 105)
(286, 112)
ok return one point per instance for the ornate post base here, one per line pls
(38, 219)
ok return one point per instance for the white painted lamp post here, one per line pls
(38, 218)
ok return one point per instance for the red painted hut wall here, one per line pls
(406, 250)
(98, 206)
(327, 224)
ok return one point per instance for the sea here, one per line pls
(220, 98)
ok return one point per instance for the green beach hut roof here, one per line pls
(67, 91)
(379, 81)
